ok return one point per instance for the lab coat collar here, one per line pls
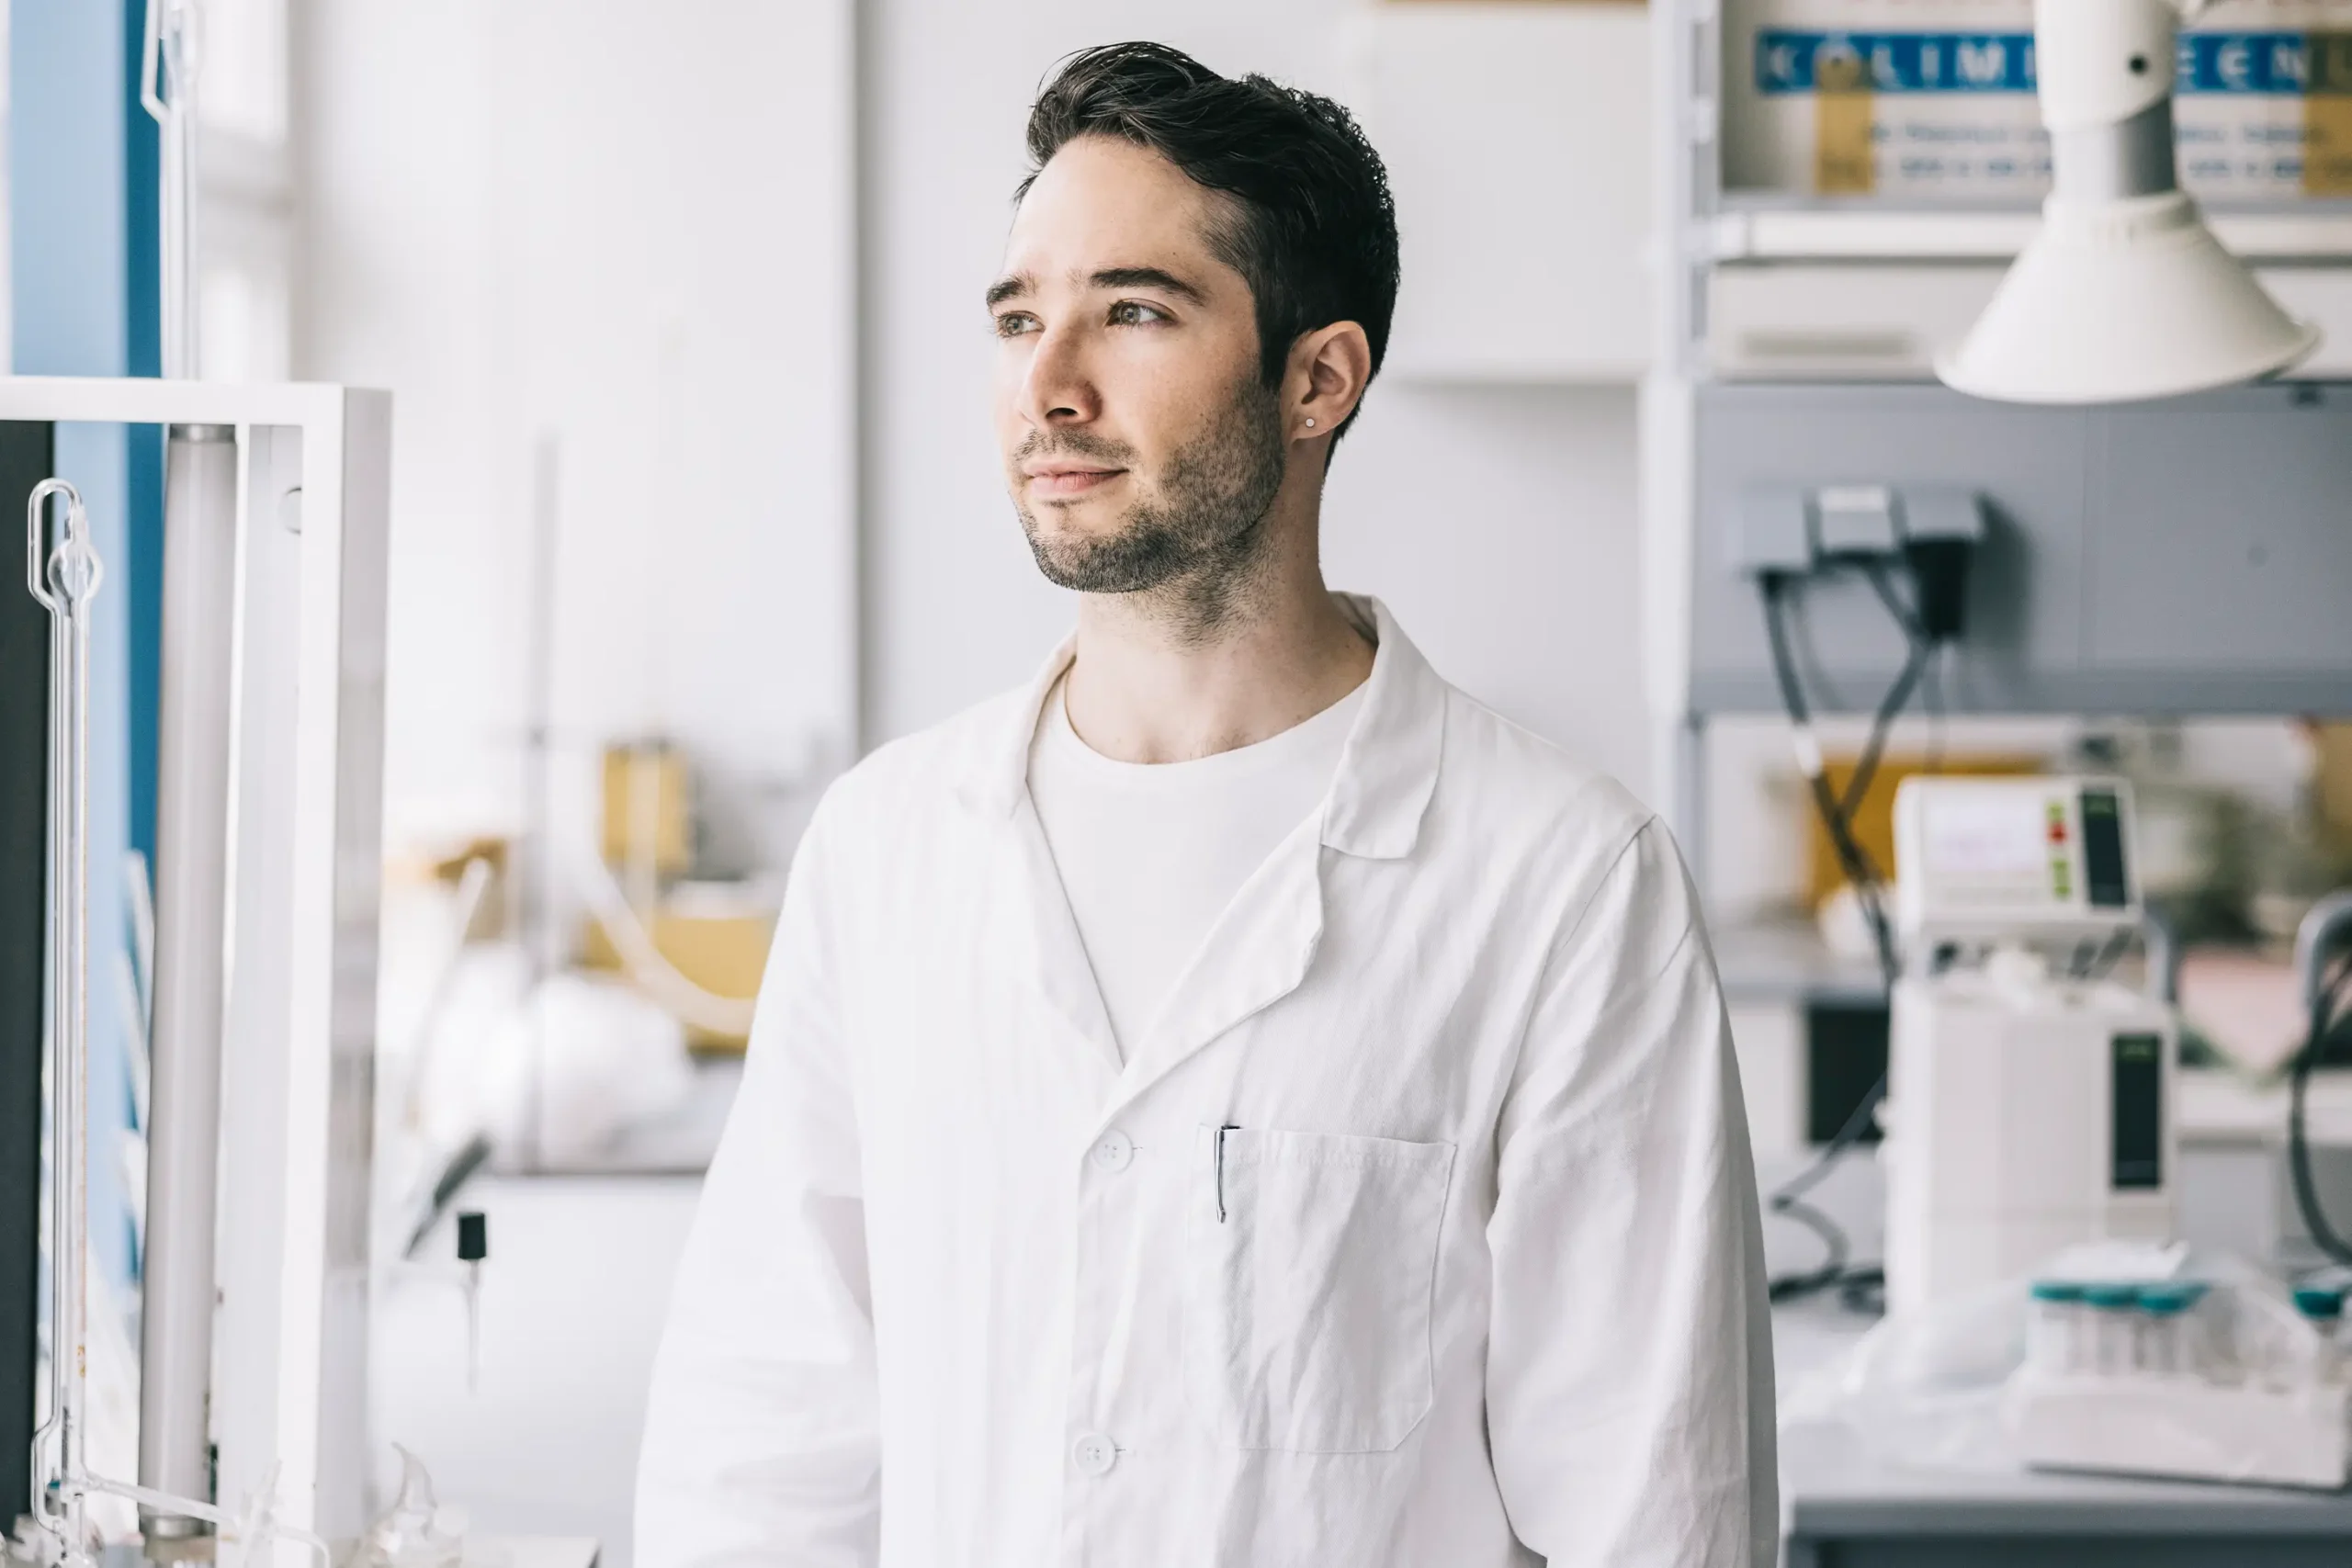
(1387, 774)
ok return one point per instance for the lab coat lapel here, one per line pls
(1256, 953)
(1044, 943)
(1262, 946)
(1053, 954)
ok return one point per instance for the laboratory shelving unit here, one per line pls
(2184, 558)
(1765, 283)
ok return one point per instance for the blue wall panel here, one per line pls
(69, 198)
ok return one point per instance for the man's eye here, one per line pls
(1015, 323)
(1135, 314)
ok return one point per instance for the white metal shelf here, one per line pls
(1920, 234)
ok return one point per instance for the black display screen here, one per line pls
(2104, 883)
(2138, 1093)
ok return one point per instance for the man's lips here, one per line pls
(1058, 479)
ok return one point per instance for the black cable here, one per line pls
(2329, 1001)
(1790, 1287)
(1789, 1203)
(2109, 953)
(1906, 618)
(1899, 695)
(1863, 1289)
(1931, 697)
(1862, 874)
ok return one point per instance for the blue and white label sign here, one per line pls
(1790, 59)
(2286, 65)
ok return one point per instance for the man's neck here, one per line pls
(1150, 686)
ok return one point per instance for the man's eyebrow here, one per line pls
(1148, 278)
(1011, 286)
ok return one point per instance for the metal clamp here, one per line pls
(64, 573)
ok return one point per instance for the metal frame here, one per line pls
(299, 1064)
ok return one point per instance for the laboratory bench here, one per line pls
(1843, 1505)
(1841, 1508)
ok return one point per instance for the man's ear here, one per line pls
(1329, 370)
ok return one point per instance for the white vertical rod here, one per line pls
(538, 876)
(191, 919)
(168, 91)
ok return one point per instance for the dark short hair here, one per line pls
(1314, 231)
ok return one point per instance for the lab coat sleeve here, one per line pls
(1630, 1371)
(762, 1443)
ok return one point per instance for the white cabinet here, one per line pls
(1887, 321)
(1518, 137)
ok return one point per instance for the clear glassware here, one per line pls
(2167, 1346)
(2322, 1308)
(2054, 1329)
(2112, 1309)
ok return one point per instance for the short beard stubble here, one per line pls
(1197, 546)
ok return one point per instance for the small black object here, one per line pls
(1939, 575)
(473, 1237)
(2139, 65)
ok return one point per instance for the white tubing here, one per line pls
(655, 975)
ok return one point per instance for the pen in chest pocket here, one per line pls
(1221, 1132)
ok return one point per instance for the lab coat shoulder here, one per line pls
(1625, 984)
(913, 780)
(900, 825)
(1564, 819)
(1629, 998)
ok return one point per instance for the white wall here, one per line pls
(629, 226)
(1500, 524)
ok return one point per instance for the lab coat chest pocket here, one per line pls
(1311, 1262)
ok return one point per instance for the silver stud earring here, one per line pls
(1310, 424)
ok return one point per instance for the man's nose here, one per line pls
(1057, 391)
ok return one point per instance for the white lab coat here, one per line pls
(1419, 1232)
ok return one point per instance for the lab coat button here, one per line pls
(1114, 1151)
(1094, 1454)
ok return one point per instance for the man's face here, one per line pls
(1140, 444)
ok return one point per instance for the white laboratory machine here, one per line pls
(2030, 1097)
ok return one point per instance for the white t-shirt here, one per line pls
(1150, 853)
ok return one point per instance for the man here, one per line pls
(1235, 1101)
